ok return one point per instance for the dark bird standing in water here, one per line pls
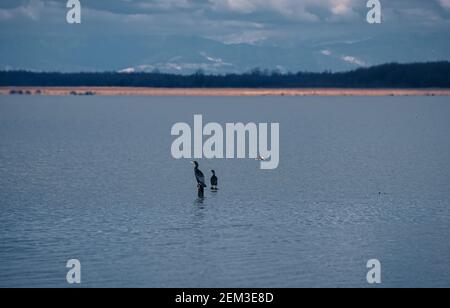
(214, 181)
(200, 177)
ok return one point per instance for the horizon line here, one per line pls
(255, 71)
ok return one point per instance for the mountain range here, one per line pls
(189, 54)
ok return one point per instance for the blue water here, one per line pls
(92, 178)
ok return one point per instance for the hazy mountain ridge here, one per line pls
(186, 55)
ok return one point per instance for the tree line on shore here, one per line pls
(394, 75)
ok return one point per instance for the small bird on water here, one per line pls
(214, 181)
(260, 158)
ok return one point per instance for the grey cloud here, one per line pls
(292, 28)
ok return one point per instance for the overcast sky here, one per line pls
(275, 23)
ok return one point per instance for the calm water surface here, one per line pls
(92, 178)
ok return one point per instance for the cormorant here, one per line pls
(200, 177)
(214, 180)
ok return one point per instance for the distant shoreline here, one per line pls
(130, 91)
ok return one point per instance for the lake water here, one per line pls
(92, 178)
